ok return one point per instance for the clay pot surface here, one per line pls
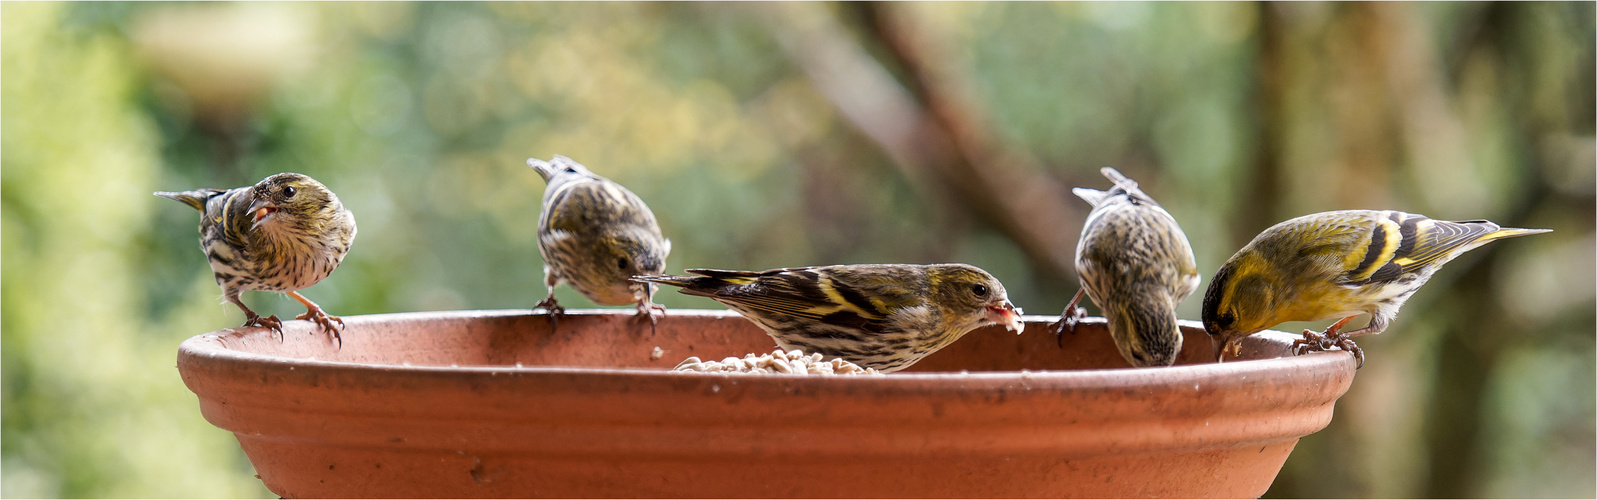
(498, 404)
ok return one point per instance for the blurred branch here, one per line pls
(1266, 186)
(937, 140)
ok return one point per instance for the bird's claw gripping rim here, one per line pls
(270, 322)
(326, 321)
(1070, 317)
(1313, 341)
(651, 311)
(1068, 321)
(553, 309)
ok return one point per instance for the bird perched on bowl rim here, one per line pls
(283, 234)
(595, 235)
(1334, 265)
(882, 316)
(1136, 264)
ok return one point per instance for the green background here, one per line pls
(757, 149)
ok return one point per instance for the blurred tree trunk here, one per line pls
(1264, 180)
(1264, 191)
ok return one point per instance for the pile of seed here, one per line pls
(791, 362)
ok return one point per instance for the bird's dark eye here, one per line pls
(980, 290)
(1226, 319)
(288, 191)
(621, 263)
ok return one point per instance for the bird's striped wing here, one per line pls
(229, 211)
(1400, 243)
(582, 203)
(831, 298)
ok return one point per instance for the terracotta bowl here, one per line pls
(498, 404)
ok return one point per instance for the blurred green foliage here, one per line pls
(420, 115)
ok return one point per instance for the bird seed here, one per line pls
(792, 362)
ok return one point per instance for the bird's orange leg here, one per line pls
(315, 314)
(1332, 337)
(1069, 318)
(1377, 325)
(252, 319)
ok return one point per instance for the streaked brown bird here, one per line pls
(595, 235)
(1333, 265)
(882, 316)
(1137, 266)
(283, 234)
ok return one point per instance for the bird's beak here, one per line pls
(1223, 344)
(262, 211)
(1005, 313)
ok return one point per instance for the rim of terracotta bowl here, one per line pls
(1235, 398)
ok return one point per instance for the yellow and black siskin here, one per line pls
(283, 234)
(882, 316)
(595, 235)
(1136, 264)
(1334, 265)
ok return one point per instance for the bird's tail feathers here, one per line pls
(556, 166)
(1500, 233)
(1093, 196)
(545, 169)
(1510, 232)
(195, 198)
(1123, 184)
(1126, 185)
(666, 279)
(1118, 178)
(722, 274)
(690, 285)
